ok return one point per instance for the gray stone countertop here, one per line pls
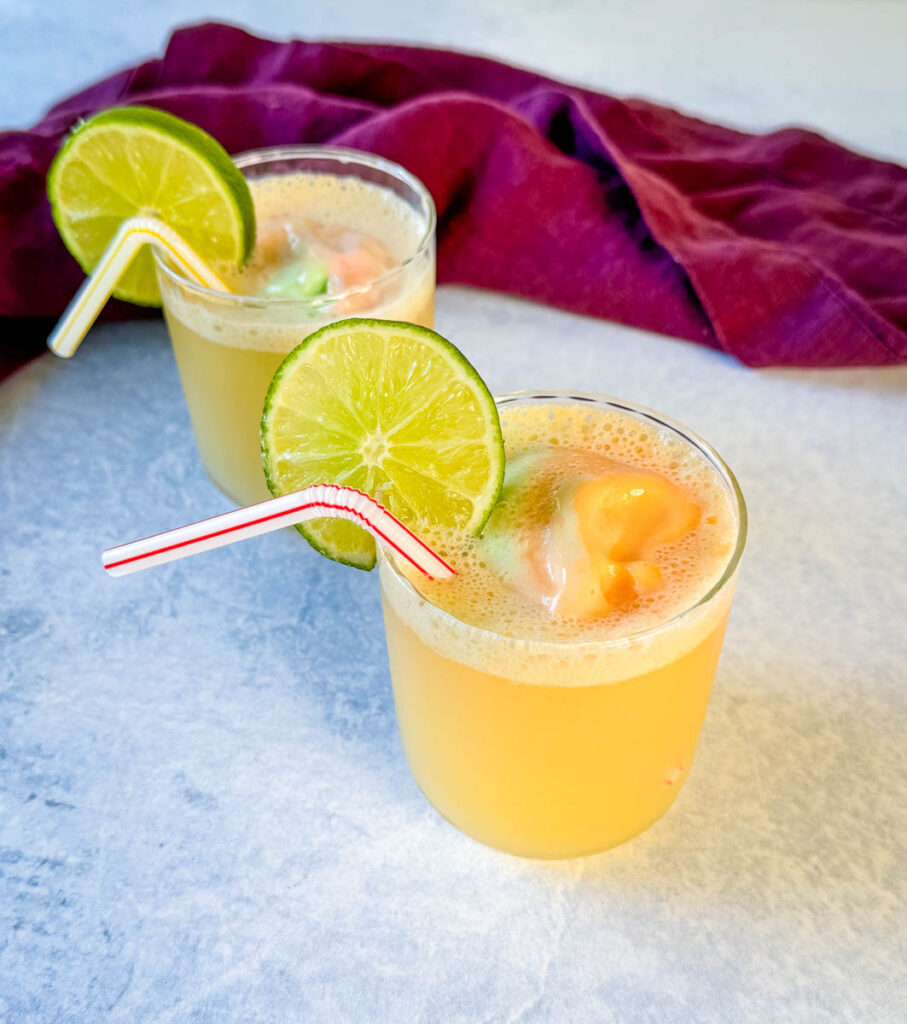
(205, 814)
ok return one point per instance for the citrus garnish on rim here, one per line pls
(394, 410)
(137, 161)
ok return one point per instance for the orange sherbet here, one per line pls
(622, 519)
(585, 539)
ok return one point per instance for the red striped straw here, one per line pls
(323, 501)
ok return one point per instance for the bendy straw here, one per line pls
(89, 300)
(317, 502)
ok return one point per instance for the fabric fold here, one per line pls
(780, 249)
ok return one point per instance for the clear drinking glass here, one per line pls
(228, 346)
(556, 749)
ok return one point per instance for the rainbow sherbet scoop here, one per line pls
(580, 533)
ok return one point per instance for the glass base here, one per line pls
(566, 853)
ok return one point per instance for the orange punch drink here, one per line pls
(338, 233)
(550, 697)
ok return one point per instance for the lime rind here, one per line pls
(88, 207)
(339, 389)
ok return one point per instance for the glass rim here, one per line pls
(341, 154)
(685, 614)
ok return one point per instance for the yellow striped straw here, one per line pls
(89, 300)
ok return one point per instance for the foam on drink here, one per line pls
(512, 580)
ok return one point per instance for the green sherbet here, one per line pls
(301, 279)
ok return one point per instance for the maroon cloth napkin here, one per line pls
(782, 249)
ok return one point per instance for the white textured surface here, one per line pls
(204, 812)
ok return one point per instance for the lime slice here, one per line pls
(135, 161)
(391, 409)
